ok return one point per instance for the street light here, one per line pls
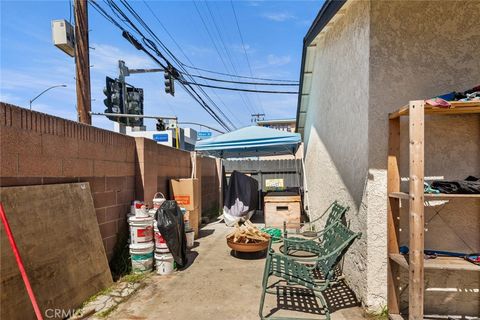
(57, 86)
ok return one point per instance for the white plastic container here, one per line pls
(158, 200)
(141, 229)
(190, 238)
(141, 255)
(160, 243)
(140, 209)
(164, 263)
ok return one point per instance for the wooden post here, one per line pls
(82, 62)
(393, 213)
(219, 165)
(416, 210)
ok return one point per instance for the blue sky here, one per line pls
(272, 33)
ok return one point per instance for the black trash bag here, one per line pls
(172, 228)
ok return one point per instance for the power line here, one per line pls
(188, 88)
(227, 51)
(183, 52)
(153, 47)
(245, 50)
(246, 82)
(239, 89)
(217, 50)
(237, 76)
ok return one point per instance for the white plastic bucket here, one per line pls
(164, 263)
(160, 243)
(158, 200)
(141, 255)
(190, 238)
(140, 209)
(141, 229)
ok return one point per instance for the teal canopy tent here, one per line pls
(253, 141)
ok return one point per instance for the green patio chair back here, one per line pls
(337, 212)
(335, 241)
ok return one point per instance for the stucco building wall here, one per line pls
(336, 136)
(376, 57)
(414, 56)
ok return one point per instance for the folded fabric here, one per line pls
(438, 102)
(428, 189)
(467, 186)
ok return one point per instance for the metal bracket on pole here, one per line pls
(123, 115)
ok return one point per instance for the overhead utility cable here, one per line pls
(184, 54)
(153, 47)
(246, 82)
(251, 110)
(139, 46)
(239, 89)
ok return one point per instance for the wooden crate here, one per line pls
(280, 207)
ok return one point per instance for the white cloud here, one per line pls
(278, 16)
(105, 58)
(274, 60)
(239, 48)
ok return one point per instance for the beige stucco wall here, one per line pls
(336, 140)
(374, 59)
(415, 54)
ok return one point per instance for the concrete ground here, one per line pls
(218, 285)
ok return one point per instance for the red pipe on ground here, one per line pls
(31, 295)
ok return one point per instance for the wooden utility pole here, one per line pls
(82, 62)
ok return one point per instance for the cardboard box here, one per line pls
(280, 207)
(186, 192)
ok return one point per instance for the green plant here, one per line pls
(106, 313)
(120, 262)
(98, 294)
(381, 314)
(133, 277)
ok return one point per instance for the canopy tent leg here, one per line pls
(305, 187)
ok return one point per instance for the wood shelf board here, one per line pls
(457, 107)
(439, 263)
(432, 196)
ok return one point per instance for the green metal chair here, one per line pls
(294, 271)
(335, 213)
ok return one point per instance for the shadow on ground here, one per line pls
(303, 300)
(249, 255)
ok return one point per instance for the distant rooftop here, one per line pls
(276, 121)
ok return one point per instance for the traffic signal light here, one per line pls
(134, 105)
(114, 99)
(169, 81)
(160, 125)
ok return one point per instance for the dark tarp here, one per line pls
(241, 198)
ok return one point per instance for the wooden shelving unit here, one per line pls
(416, 263)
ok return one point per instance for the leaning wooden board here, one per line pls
(57, 234)
(280, 207)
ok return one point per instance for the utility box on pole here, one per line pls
(63, 36)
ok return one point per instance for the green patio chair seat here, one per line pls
(335, 213)
(336, 240)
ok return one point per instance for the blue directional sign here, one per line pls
(204, 134)
(160, 137)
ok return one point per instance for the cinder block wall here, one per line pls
(156, 165)
(37, 148)
(210, 186)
